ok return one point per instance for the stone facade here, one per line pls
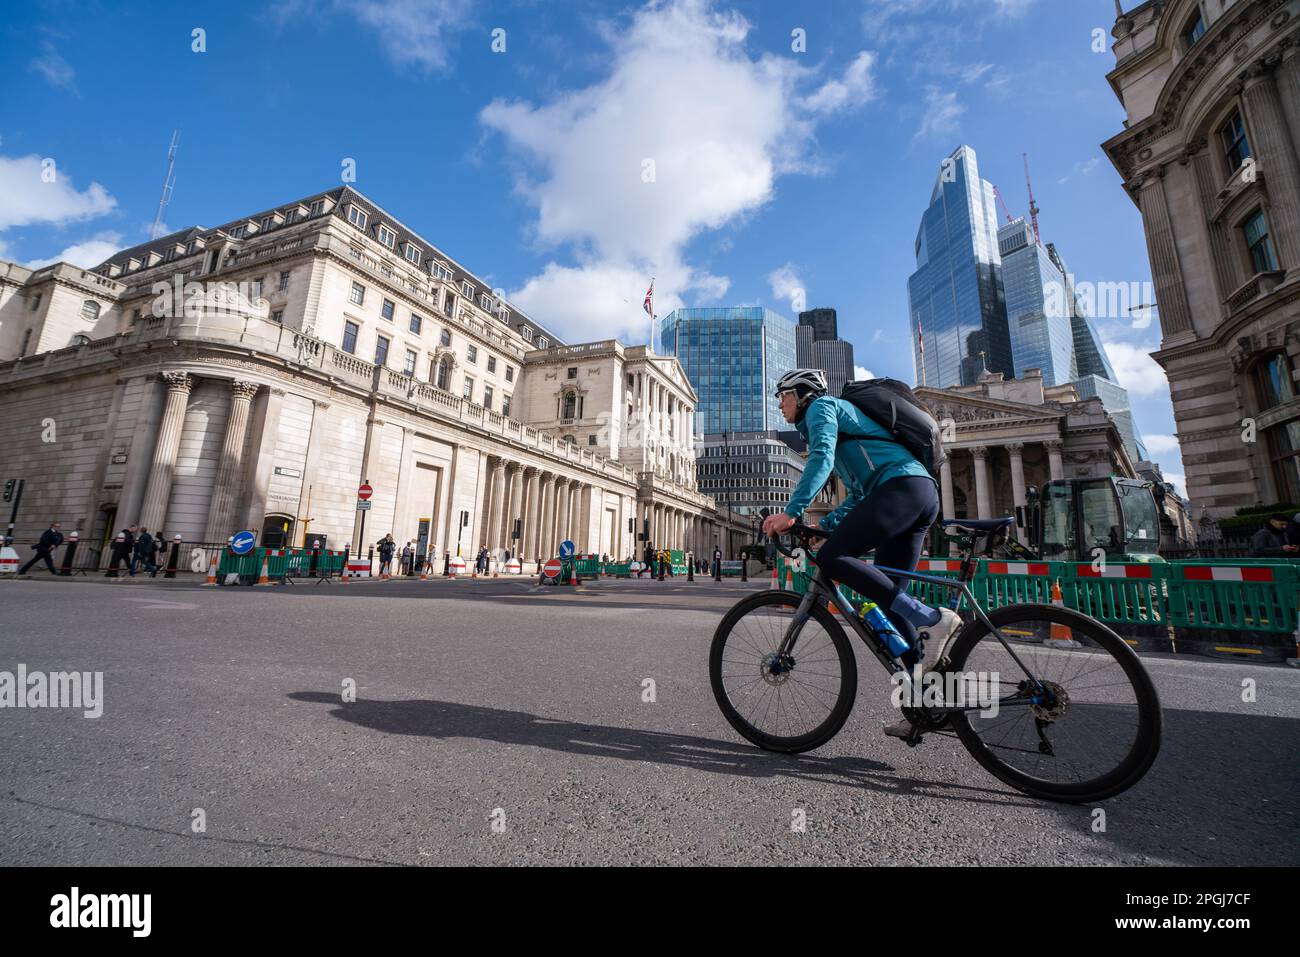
(1209, 154)
(213, 380)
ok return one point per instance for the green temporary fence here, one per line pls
(1250, 596)
(588, 566)
(280, 563)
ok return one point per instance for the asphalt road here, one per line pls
(496, 722)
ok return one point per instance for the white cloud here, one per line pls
(941, 114)
(627, 171)
(26, 199)
(787, 286)
(87, 253)
(862, 372)
(1135, 369)
(1178, 480)
(58, 71)
(1161, 444)
(412, 32)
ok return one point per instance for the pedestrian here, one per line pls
(51, 539)
(408, 559)
(387, 546)
(159, 553)
(128, 548)
(1271, 540)
(480, 563)
(143, 553)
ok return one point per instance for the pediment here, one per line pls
(965, 408)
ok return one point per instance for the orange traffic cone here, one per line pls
(424, 572)
(345, 574)
(1061, 635)
(212, 572)
(264, 578)
(776, 584)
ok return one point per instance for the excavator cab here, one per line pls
(1084, 519)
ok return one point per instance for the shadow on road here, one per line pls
(448, 719)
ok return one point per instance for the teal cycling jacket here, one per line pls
(828, 424)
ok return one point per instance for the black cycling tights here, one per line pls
(893, 521)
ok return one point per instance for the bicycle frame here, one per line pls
(822, 588)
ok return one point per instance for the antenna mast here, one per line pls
(169, 181)
(1033, 206)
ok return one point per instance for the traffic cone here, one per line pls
(212, 573)
(1061, 635)
(424, 572)
(345, 574)
(264, 578)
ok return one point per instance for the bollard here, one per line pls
(717, 569)
(118, 542)
(690, 571)
(68, 553)
(446, 565)
(315, 559)
(370, 559)
(744, 570)
(173, 558)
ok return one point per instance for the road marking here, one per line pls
(160, 603)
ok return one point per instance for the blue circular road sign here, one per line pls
(243, 543)
(566, 549)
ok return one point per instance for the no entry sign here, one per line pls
(552, 568)
(364, 491)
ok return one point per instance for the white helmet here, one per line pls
(804, 382)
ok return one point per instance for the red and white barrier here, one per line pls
(1113, 571)
(1206, 573)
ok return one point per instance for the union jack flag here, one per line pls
(648, 305)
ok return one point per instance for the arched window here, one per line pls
(90, 310)
(80, 340)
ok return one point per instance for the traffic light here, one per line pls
(9, 489)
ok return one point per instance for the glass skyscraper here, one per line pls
(733, 356)
(956, 296)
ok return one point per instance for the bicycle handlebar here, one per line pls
(801, 531)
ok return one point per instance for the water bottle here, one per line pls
(884, 629)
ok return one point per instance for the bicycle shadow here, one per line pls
(448, 719)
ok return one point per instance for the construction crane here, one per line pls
(1033, 206)
(1003, 203)
(156, 230)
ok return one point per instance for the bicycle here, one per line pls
(784, 674)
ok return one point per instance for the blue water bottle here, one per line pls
(884, 628)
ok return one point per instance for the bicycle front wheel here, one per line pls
(789, 703)
(1089, 732)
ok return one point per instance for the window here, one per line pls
(591, 440)
(485, 301)
(36, 302)
(1236, 146)
(358, 294)
(257, 288)
(284, 281)
(471, 354)
(439, 270)
(467, 289)
(449, 304)
(238, 232)
(387, 309)
(350, 337)
(526, 332)
(381, 351)
(411, 357)
(80, 339)
(445, 337)
(290, 216)
(510, 373)
(503, 314)
(570, 406)
(417, 323)
(505, 405)
(543, 343)
(487, 397)
(1284, 447)
(387, 236)
(444, 370)
(27, 339)
(268, 222)
(278, 316)
(135, 316)
(468, 390)
(90, 310)
(1194, 30)
(573, 372)
(357, 217)
(317, 207)
(492, 363)
(1260, 244)
(1276, 380)
(413, 253)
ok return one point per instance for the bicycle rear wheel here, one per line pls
(1094, 733)
(793, 704)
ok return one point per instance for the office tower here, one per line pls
(818, 346)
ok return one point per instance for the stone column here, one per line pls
(1288, 84)
(153, 513)
(546, 534)
(1166, 271)
(945, 488)
(983, 505)
(493, 507)
(1016, 451)
(515, 508)
(561, 510)
(1276, 152)
(585, 495)
(1227, 270)
(1056, 466)
(532, 513)
(230, 468)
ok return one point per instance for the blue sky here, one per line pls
(604, 144)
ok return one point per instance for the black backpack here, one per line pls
(895, 408)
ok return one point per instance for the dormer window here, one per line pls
(485, 301)
(238, 232)
(316, 208)
(387, 236)
(543, 343)
(526, 332)
(439, 270)
(358, 216)
(467, 289)
(269, 222)
(412, 252)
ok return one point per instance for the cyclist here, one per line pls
(891, 502)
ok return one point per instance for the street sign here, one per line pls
(243, 542)
(363, 506)
(566, 549)
(365, 491)
(552, 568)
